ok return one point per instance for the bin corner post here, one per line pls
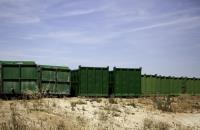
(20, 79)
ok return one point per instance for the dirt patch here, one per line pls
(101, 113)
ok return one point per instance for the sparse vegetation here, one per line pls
(98, 100)
(16, 123)
(54, 104)
(181, 104)
(79, 102)
(115, 114)
(163, 103)
(60, 126)
(56, 114)
(132, 104)
(83, 108)
(186, 104)
(112, 101)
(103, 116)
(150, 124)
(74, 103)
(81, 120)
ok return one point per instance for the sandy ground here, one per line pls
(97, 113)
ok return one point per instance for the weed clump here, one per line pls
(163, 103)
(149, 124)
(112, 101)
(98, 100)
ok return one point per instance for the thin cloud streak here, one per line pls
(77, 37)
(76, 12)
(83, 37)
(129, 17)
(159, 25)
(20, 19)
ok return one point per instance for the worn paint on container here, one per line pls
(54, 79)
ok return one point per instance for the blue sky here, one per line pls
(161, 36)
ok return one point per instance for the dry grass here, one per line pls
(45, 114)
(150, 124)
(186, 104)
(74, 103)
(79, 102)
(180, 104)
(183, 127)
(103, 116)
(40, 118)
(98, 100)
(81, 121)
(15, 122)
(163, 103)
(112, 101)
(132, 103)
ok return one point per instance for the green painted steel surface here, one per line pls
(172, 82)
(54, 67)
(83, 85)
(198, 87)
(189, 87)
(167, 87)
(29, 72)
(154, 80)
(74, 82)
(152, 85)
(54, 79)
(90, 81)
(21, 77)
(158, 82)
(127, 82)
(18, 77)
(48, 88)
(145, 85)
(11, 72)
(63, 77)
(18, 62)
(161, 86)
(63, 89)
(194, 86)
(111, 80)
(173, 86)
(183, 85)
(1, 80)
(48, 75)
(29, 87)
(11, 87)
(178, 86)
(53, 88)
